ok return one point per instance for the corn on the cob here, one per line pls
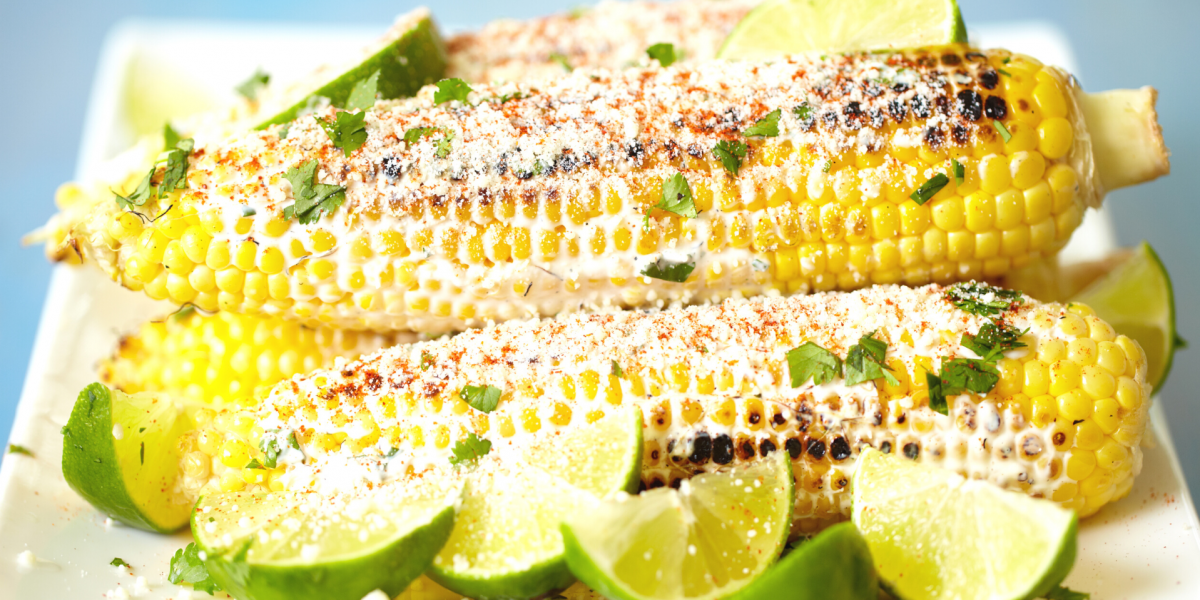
(1063, 420)
(611, 35)
(227, 357)
(457, 214)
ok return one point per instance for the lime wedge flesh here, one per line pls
(934, 534)
(1137, 299)
(838, 558)
(282, 545)
(120, 453)
(782, 27)
(414, 58)
(708, 539)
(506, 542)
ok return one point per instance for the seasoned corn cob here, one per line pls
(607, 189)
(611, 35)
(227, 357)
(1062, 419)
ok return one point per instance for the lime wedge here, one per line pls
(708, 539)
(837, 557)
(506, 541)
(934, 534)
(281, 545)
(1137, 299)
(783, 27)
(410, 55)
(120, 453)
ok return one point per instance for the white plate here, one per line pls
(1145, 547)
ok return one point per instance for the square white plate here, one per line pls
(1145, 546)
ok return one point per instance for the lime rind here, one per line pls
(838, 557)
(120, 454)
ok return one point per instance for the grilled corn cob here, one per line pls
(227, 357)
(610, 35)
(608, 189)
(1062, 420)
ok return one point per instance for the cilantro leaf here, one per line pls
(170, 136)
(673, 272)
(960, 171)
(767, 126)
(981, 298)
(1004, 134)
(416, 133)
(483, 398)
(175, 175)
(617, 370)
(19, 449)
(139, 195)
(930, 188)
(426, 360)
(451, 89)
(1064, 593)
(249, 89)
(827, 166)
(254, 464)
(993, 340)
(664, 53)
(271, 448)
(810, 361)
(960, 375)
(313, 200)
(470, 449)
(677, 197)
(730, 154)
(119, 562)
(186, 567)
(362, 95)
(937, 397)
(561, 59)
(804, 113)
(443, 144)
(347, 131)
(517, 95)
(865, 361)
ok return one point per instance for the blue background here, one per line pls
(50, 50)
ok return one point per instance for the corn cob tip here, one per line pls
(1127, 140)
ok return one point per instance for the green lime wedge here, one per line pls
(1137, 299)
(506, 541)
(708, 539)
(837, 557)
(783, 27)
(282, 545)
(934, 534)
(120, 453)
(406, 59)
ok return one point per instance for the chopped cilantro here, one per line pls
(664, 53)
(1004, 73)
(426, 360)
(271, 448)
(250, 88)
(175, 175)
(254, 464)
(170, 137)
(673, 272)
(1064, 593)
(451, 89)
(412, 135)
(470, 449)
(483, 398)
(930, 188)
(1004, 134)
(617, 370)
(119, 562)
(347, 130)
(828, 165)
(730, 154)
(767, 126)
(313, 200)
(993, 340)
(362, 95)
(186, 567)
(803, 112)
(283, 131)
(960, 171)
(517, 95)
(865, 361)
(937, 398)
(443, 144)
(140, 195)
(960, 375)
(981, 298)
(19, 449)
(142, 454)
(677, 197)
(810, 361)
(562, 61)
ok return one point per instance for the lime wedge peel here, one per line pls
(708, 539)
(506, 541)
(934, 534)
(120, 453)
(1138, 300)
(781, 27)
(838, 558)
(275, 546)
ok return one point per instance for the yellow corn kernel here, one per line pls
(1088, 435)
(561, 415)
(1080, 464)
(1055, 137)
(1045, 410)
(245, 255)
(1107, 415)
(234, 454)
(725, 414)
(530, 421)
(231, 481)
(1129, 393)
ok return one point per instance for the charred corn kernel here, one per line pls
(823, 215)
